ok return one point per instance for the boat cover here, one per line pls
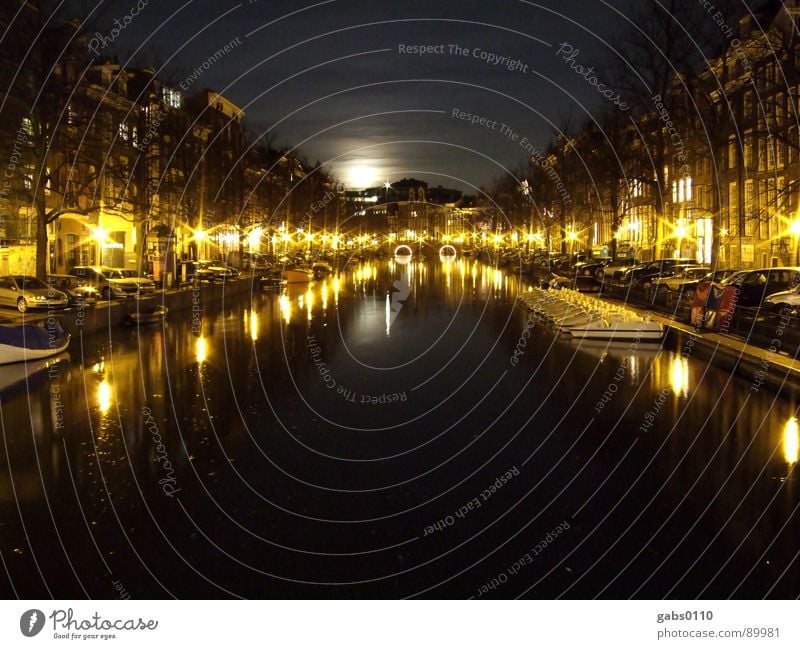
(31, 336)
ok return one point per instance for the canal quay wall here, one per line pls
(762, 368)
(768, 366)
(190, 302)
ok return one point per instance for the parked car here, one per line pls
(686, 283)
(676, 281)
(198, 272)
(652, 269)
(78, 293)
(716, 303)
(221, 271)
(647, 280)
(27, 292)
(781, 300)
(111, 284)
(130, 273)
(615, 269)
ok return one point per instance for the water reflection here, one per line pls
(293, 383)
(791, 441)
(201, 349)
(679, 376)
(104, 396)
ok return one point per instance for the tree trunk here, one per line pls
(42, 252)
(141, 244)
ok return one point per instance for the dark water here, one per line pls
(325, 443)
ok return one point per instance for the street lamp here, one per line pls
(572, 236)
(679, 233)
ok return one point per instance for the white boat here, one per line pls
(28, 342)
(619, 328)
(578, 320)
(298, 275)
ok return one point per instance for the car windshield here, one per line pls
(28, 282)
(732, 279)
(114, 274)
(63, 282)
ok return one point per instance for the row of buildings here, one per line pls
(710, 171)
(101, 164)
(410, 210)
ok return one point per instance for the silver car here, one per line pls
(27, 292)
(111, 284)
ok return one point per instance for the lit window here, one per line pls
(172, 98)
(124, 132)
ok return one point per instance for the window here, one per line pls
(733, 203)
(769, 152)
(749, 208)
(701, 199)
(27, 126)
(732, 153)
(780, 108)
(124, 132)
(749, 150)
(172, 98)
(682, 190)
(749, 105)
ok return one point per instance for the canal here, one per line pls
(376, 435)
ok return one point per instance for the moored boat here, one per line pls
(149, 315)
(27, 342)
(298, 275)
(619, 328)
(321, 269)
(271, 281)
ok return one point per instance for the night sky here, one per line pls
(329, 76)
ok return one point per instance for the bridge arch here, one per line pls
(403, 251)
(448, 251)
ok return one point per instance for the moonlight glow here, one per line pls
(362, 176)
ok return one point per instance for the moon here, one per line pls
(362, 176)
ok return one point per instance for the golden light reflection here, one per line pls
(791, 441)
(336, 291)
(309, 303)
(253, 326)
(633, 368)
(201, 349)
(388, 314)
(325, 295)
(286, 308)
(498, 278)
(104, 396)
(679, 376)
